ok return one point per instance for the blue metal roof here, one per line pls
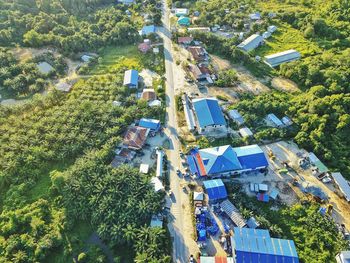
(256, 245)
(251, 157)
(208, 112)
(131, 77)
(148, 30)
(219, 159)
(215, 189)
(150, 124)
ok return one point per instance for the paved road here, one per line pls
(180, 226)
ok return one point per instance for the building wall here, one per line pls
(212, 129)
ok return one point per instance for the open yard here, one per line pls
(113, 58)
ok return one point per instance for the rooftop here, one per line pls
(257, 243)
(131, 77)
(208, 112)
(277, 59)
(215, 189)
(342, 184)
(135, 137)
(251, 42)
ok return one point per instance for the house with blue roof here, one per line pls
(152, 124)
(256, 245)
(209, 116)
(226, 160)
(131, 78)
(146, 30)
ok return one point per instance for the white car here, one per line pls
(326, 180)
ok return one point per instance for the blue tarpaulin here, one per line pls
(216, 189)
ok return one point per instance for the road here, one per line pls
(180, 225)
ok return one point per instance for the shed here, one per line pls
(86, 58)
(252, 223)
(131, 78)
(184, 40)
(148, 94)
(274, 120)
(144, 168)
(152, 124)
(287, 121)
(216, 189)
(184, 21)
(181, 12)
(198, 196)
(277, 59)
(266, 34)
(272, 29)
(274, 193)
(343, 185)
(236, 116)
(232, 212)
(317, 163)
(245, 132)
(146, 30)
(251, 43)
(255, 16)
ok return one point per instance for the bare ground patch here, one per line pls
(284, 85)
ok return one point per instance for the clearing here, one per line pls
(283, 84)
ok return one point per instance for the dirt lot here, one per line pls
(284, 85)
(248, 83)
(287, 152)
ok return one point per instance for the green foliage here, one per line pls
(227, 78)
(203, 142)
(19, 78)
(71, 26)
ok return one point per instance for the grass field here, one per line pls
(286, 38)
(114, 58)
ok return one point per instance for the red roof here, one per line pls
(135, 137)
(184, 40)
(205, 70)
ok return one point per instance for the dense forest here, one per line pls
(71, 26)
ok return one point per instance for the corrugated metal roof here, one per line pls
(248, 150)
(317, 162)
(256, 245)
(251, 42)
(342, 184)
(208, 112)
(282, 57)
(148, 30)
(273, 118)
(215, 189)
(236, 116)
(150, 124)
(245, 132)
(219, 159)
(233, 213)
(131, 77)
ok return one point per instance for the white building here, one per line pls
(277, 59)
(251, 43)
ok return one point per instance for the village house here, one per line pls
(135, 137)
(184, 40)
(198, 53)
